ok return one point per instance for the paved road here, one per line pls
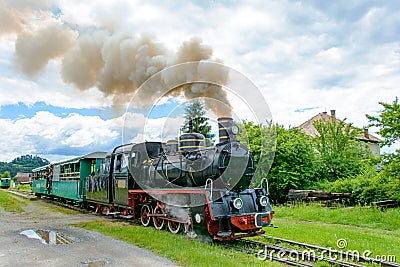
(89, 249)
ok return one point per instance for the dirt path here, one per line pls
(88, 249)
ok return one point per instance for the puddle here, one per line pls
(48, 237)
(96, 263)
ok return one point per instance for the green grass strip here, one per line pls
(377, 241)
(388, 219)
(178, 248)
(11, 203)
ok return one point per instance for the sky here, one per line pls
(72, 72)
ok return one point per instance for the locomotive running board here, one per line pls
(248, 235)
(224, 234)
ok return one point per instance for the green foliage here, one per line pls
(24, 187)
(291, 159)
(293, 166)
(23, 163)
(6, 174)
(370, 186)
(261, 141)
(388, 122)
(196, 112)
(339, 153)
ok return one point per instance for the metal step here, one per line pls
(125, 216)
(224, 234)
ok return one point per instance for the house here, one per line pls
(23, 178)
(371, 140)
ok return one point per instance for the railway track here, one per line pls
(282, 250)
(339, 253)
(277, 249)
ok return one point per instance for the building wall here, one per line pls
(375, 149)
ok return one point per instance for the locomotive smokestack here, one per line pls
(225, 129)
(190, 125)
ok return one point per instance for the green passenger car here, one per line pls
(66, 179)
(69, 176)
(5, 182)
(41, 180)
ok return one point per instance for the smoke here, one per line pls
(35, 49)
(114, 61)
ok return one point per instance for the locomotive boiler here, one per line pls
(202, 189)
(188, 163)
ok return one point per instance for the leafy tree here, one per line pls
(23, 163)
(388, 122)
(6, 175)
(294, 164)
(339, 153)
(196, 111)
(261, 141)
(370, 185)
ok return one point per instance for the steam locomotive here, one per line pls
(181, 184)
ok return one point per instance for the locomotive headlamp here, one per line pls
(263, 201)
(197, 217)
(235, 129)
(237, 203)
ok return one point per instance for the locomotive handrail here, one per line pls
(211, 186)
(265, 180)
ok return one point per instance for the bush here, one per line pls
(371, 186)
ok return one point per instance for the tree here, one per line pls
(6, 175)
(339, 153)
(261, 141)
(293, 166)
(23, 163)
(196, 111)
(388, 122)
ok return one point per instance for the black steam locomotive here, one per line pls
(180, 184)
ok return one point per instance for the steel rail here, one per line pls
(362, 258)
(311, 257)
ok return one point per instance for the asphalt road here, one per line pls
(87, 249)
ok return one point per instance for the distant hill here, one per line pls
(23, 163)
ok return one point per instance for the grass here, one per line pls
(362, 228)
(379, 242)
(56, 208)
(366, 230)
(11, 203)
(24, 188)
(358, 216)
(178, 248)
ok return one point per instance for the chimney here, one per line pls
(333, 113)
(190, 125)
(366, 132)
(225, 129)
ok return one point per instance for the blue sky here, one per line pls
(69, 68)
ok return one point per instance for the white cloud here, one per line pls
(46, 133)
(323, 55)
(159, 129)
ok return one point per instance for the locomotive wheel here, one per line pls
(105, 210)
(144, 218)
(174, 227)
(158, 221)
